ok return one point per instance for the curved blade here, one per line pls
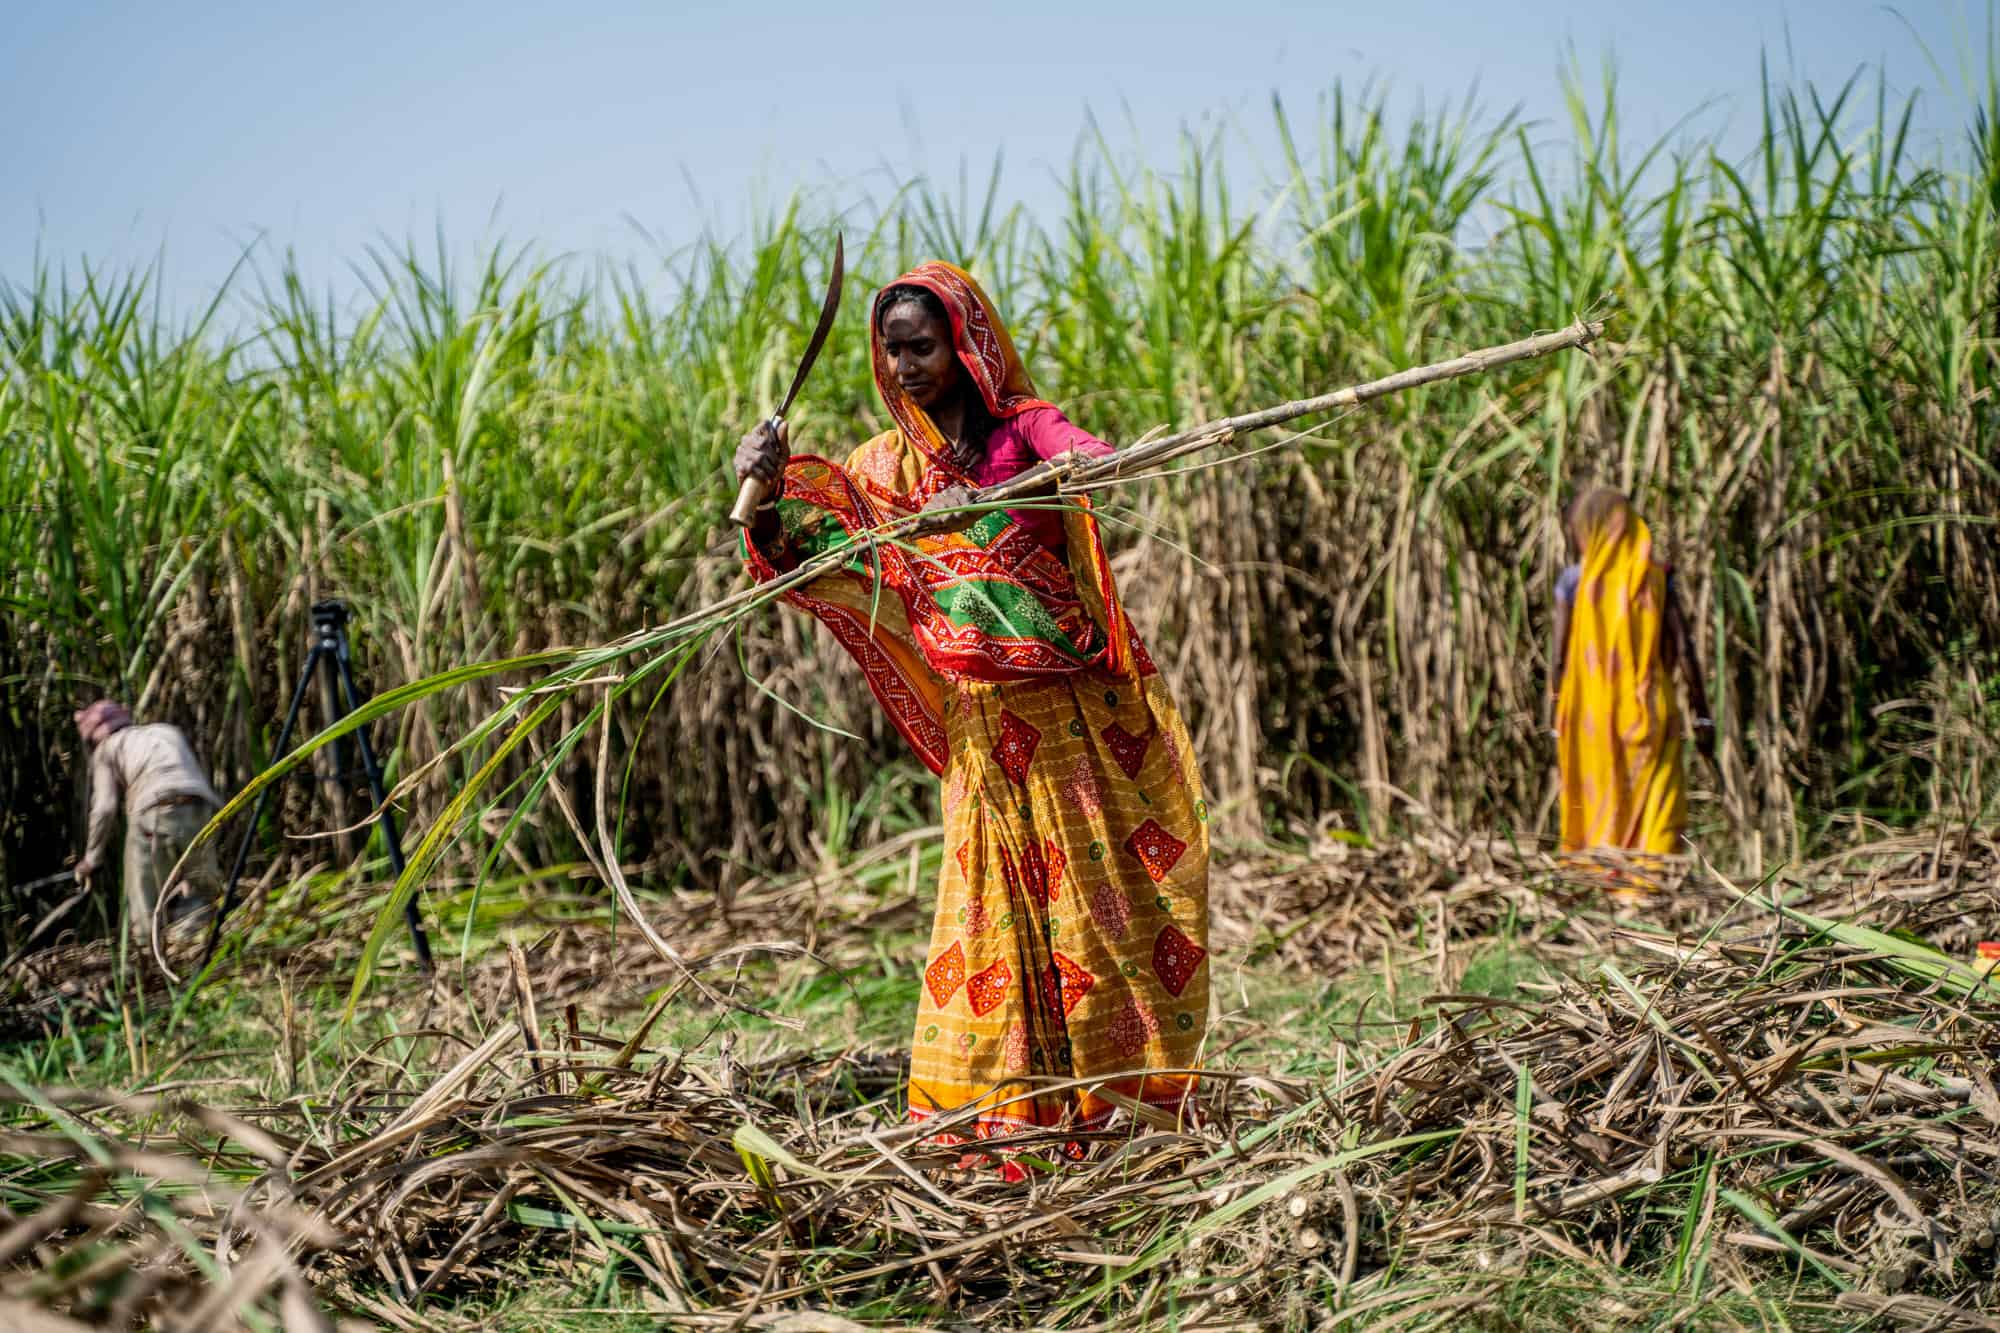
(825, 326)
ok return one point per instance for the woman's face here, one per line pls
(918, 345)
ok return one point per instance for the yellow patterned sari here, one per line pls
(1071, 934)
(1617, 716)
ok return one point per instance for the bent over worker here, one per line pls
(167, 799)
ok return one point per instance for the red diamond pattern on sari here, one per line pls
(965, 859)
(1042, 870)
(1071, 983)
(1175, 957)
(1015, 749)
(1009, 875)
(1127, 749)
(945, 974)
(1015, 1049)
(1110, 911)
(1132, 1027)
(986, 990)
(1034, 875)
(1155, 848)
(977, 919)
(1082, 788)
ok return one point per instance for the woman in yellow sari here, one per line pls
(1072, 915)
(1620, 638)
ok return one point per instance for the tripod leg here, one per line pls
(257, 810)
(384, 815)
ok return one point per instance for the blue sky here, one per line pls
(199, 127)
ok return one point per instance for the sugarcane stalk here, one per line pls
(1076, 475)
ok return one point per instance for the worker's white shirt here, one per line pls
(145, 765)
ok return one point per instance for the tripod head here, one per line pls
(329, 619)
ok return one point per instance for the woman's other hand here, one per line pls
(952, 498)
(764, 452)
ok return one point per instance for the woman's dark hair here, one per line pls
(979, 423)
(908, 293)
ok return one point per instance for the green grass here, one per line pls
(1499, 971)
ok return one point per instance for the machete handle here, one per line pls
(751, 492)
(748, 496)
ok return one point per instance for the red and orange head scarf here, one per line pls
(984, 351)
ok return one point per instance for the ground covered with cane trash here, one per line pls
(1450, 1088)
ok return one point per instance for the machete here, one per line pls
(42, 883)
(752, 492)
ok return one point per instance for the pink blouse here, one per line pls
(1021, 441)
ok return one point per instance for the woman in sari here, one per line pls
(1072, 913)
(1620, 639)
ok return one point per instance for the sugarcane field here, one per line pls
(1311, 671)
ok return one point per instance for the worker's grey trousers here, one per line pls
(154, 841)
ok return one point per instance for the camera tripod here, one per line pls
(329, 652)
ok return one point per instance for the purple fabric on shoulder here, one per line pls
(1573, 574)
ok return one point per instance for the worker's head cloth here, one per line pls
(102, 718)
